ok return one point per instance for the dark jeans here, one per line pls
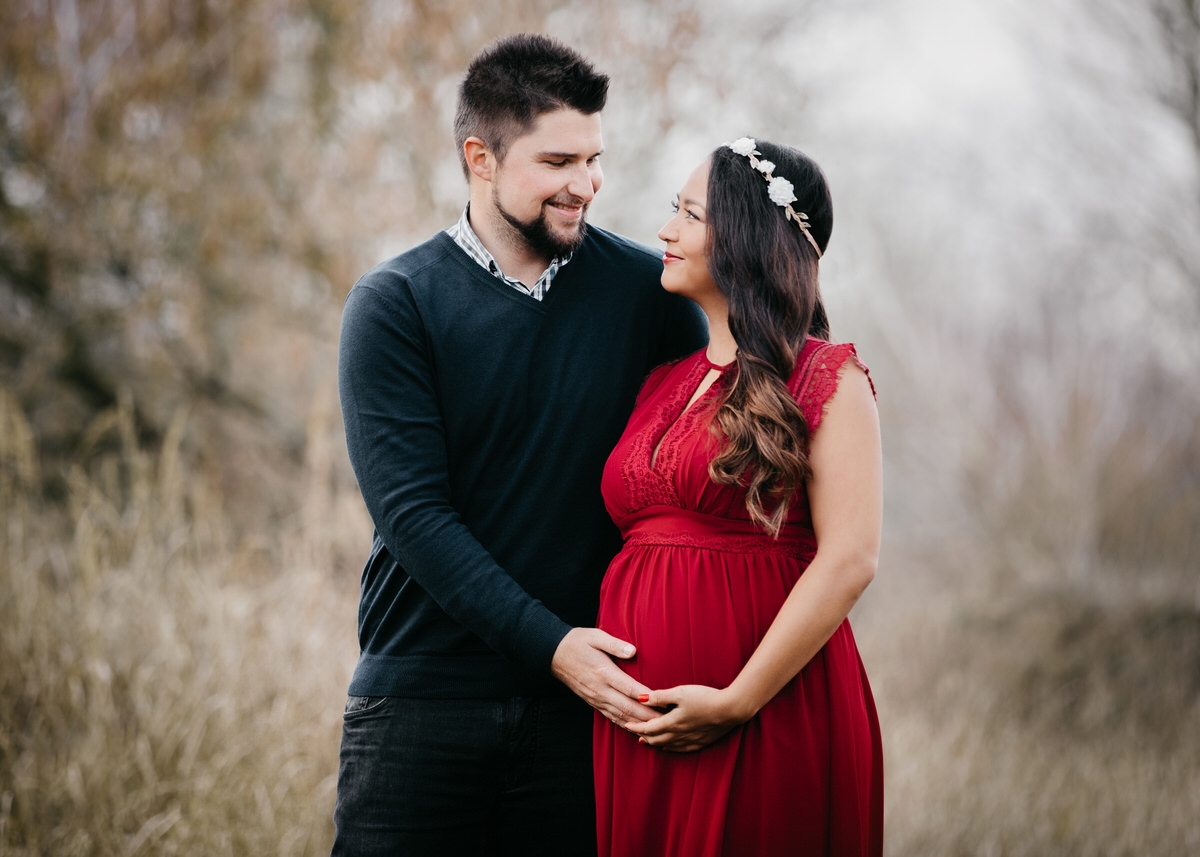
(465, 776)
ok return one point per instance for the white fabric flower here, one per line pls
(744, 146)
(780, 190)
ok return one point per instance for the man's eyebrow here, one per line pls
(566, 156)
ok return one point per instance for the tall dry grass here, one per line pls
(165, 690)
(1039, 724)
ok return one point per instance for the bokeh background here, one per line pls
(188, 188)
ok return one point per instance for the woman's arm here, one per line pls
(846, 497)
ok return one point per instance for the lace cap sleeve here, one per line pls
(816, 377)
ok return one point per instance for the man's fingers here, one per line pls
(630, 713)
(584, 662)
(631, 687)
(611, 645)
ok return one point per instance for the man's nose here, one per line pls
(585, 181)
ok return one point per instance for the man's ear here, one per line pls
(480, 159)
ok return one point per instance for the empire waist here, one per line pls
(672, 526)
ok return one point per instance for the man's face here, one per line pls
(541, 192)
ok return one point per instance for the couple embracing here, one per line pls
(623, 503)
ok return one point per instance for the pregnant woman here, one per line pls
(748, 488)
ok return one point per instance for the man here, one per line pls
(485, 375)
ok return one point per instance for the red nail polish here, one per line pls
(643, 697)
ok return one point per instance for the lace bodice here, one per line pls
(662, 458)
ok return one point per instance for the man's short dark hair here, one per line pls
(517, 79)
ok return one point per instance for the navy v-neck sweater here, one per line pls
(478, 420)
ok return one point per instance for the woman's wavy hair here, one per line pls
(767, 270)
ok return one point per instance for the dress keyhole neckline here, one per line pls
(720, 367)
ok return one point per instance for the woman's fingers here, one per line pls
(693, 717)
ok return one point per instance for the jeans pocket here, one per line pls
(356, 705)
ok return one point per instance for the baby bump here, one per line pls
(694, 615)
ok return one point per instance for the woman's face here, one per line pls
(685, 265)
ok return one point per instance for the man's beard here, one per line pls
(538, 236)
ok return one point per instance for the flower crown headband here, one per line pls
(779, 189)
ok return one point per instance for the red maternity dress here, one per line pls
(695, 588)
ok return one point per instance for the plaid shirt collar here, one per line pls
(464, 236)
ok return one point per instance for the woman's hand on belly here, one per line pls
(694, 716)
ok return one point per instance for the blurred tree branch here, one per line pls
(189, 187)
(123, 131)
(1142, 56)
(1170, 60)
(1179, 26)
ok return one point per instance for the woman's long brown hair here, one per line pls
(767, 271)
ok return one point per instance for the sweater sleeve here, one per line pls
(685, 329)
(397, 447)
